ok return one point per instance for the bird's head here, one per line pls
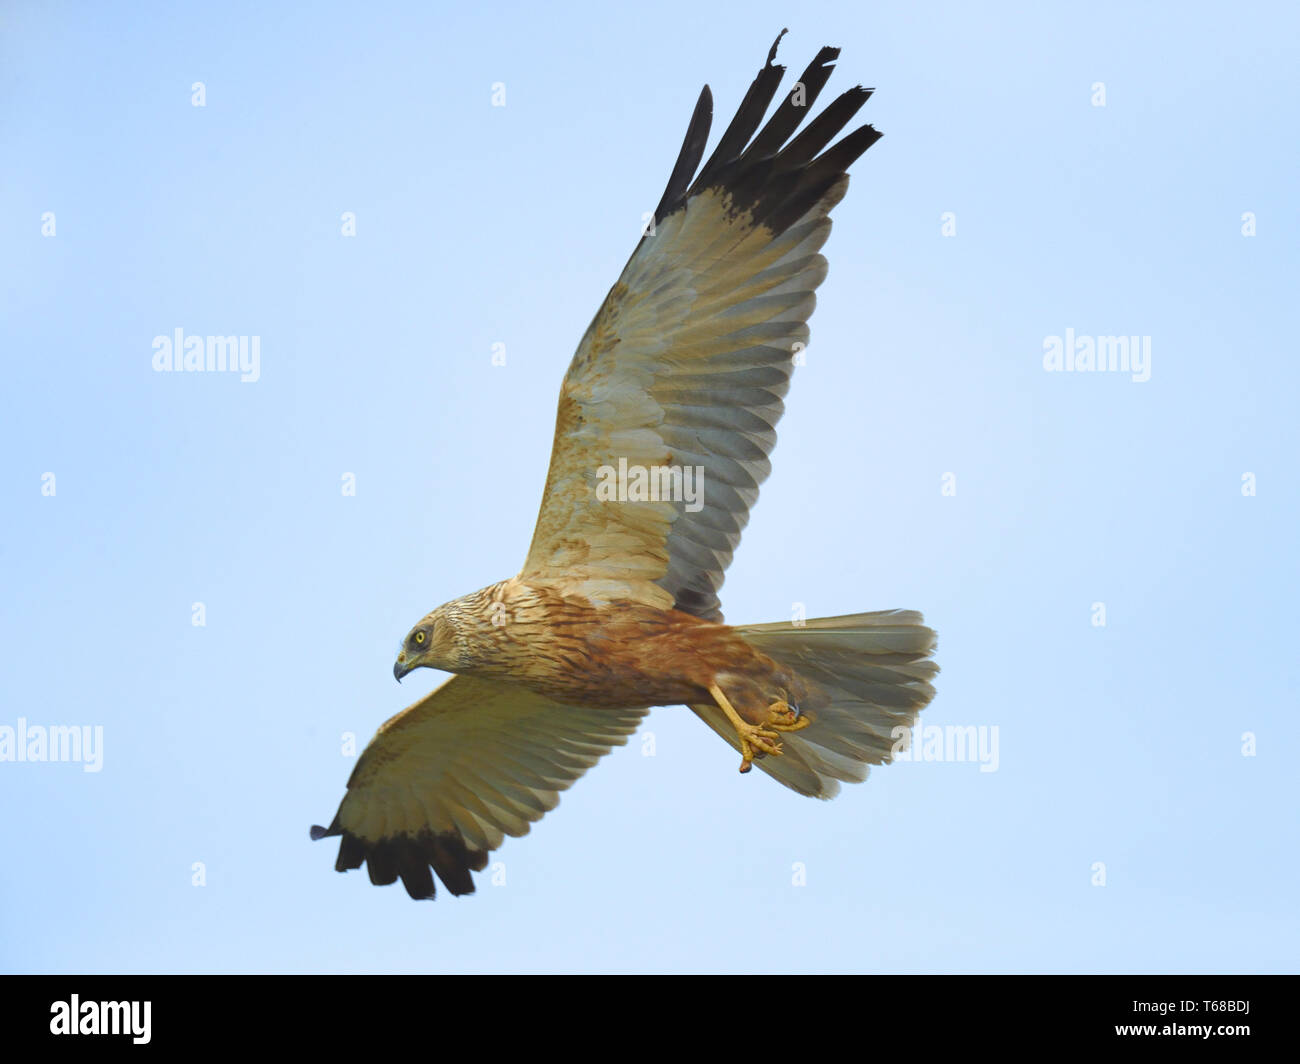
(431, 644)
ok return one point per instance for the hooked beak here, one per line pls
(400, 668)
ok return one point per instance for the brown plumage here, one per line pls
(680, 378)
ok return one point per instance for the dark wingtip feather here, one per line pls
(688, 159)
(771, 52)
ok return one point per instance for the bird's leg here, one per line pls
(755, 740)
(783, 717)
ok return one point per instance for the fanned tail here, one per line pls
(877, 672)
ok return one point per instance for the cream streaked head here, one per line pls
(431, 644)
(456, 637)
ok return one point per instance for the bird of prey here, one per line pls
(679, 378)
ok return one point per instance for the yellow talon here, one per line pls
(755, 740)
(784, 718)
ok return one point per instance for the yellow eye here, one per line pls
(419, 637)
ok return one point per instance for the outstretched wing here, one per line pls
(445, 780)
(685, 365)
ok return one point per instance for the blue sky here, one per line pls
(1119, 744)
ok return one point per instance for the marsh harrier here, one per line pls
(616, 609)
